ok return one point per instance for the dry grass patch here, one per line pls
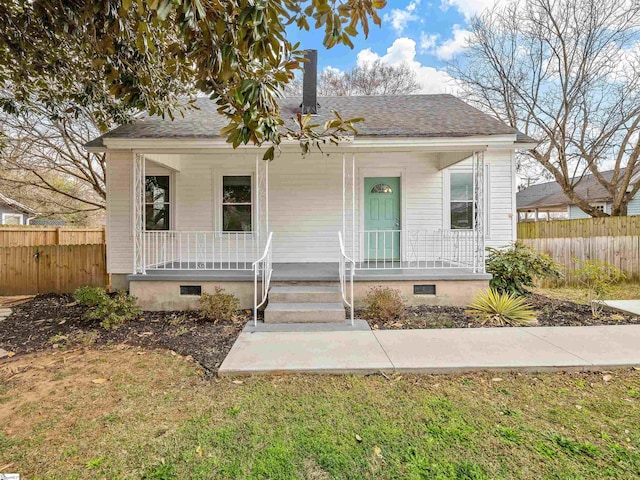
(126, 413)
(577, 294)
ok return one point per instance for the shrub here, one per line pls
(498, 308)
(114, 310)
(88, 296)
(219, 306)
(515, 268)
(384, 303)
(598, 277)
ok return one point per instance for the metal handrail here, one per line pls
(266, 272)
(342, 271)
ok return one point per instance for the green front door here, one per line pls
(382, 218)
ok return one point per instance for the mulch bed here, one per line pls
(551, 313)
(56, 321)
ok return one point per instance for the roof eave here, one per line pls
(479, 142)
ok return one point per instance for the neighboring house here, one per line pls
(547, 201)
(13, 212)
(426, 183)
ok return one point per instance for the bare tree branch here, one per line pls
(565, 72)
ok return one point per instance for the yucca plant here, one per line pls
(497, 308)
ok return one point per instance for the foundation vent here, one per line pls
(424, 289)
(195, 290)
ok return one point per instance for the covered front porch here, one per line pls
(352, 218)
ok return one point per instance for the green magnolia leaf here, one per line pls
(127, 56)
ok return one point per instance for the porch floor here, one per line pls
(311, 272)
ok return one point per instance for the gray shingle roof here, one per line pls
(385, 116)
(550, 194)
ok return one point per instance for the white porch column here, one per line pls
(349, 203)
(479, 206)
(138, 200)
(262, 196)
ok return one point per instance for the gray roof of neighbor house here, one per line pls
(16, 205)
(550, 194)
(439, 115)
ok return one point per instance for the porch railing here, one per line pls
(346, 276)
(417, 249)
(262, 269)
(200, 250)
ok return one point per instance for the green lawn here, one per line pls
(155, 417)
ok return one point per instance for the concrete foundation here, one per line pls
(165, 295)
(448, 292)
(119, 282)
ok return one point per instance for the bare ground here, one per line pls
(56, 321)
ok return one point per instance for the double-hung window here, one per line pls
(236, 203)
(157, 202)
(461, 200)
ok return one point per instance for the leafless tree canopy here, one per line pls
(565, 72)
(374, 78)
(43, 162)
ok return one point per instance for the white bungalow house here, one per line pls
(410, 202)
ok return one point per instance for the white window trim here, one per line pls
(446, 197)
(217, 200)
(9, 215)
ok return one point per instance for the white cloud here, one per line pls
(454, 45)
(468, 8)
(427, 42)
(400, 18)
(403, 50)
(334, 70)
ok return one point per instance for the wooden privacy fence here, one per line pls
(583, 227)
(51, 268)
(19, 236)
(614, 240)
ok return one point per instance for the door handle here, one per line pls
(398, 223)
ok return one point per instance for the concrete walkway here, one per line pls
(363, 351)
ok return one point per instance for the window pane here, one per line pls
(157, 189)
(10, 219)
(381, 188)
(461, 186)
(157, 217)
(461, 215)
(236, 189)
(236, 218)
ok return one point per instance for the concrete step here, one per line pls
(305, 294)
(304, 313)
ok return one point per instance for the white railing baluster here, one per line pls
(421, 249)
(185, 250)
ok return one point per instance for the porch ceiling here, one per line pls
(447, 159)
(170, 161)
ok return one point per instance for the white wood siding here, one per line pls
(119, 220)
(502, 198)
(305, 198)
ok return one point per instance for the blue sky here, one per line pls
(424, 34)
